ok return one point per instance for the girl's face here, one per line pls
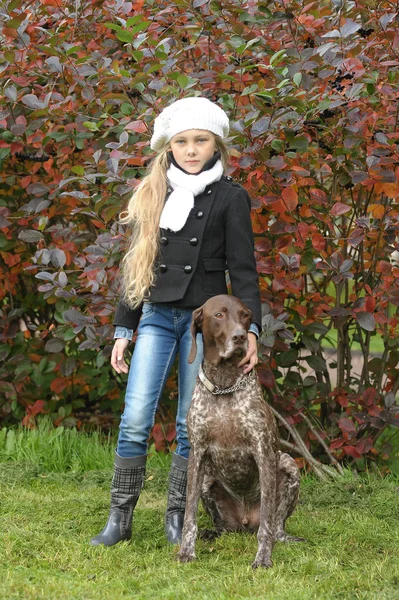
(192, 149)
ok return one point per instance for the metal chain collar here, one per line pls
(241, 384)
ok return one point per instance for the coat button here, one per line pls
(229, 178)
(209, 192)
(163, 268)
(164, 241)
(194, 241)
(200, 214)
(188, 269)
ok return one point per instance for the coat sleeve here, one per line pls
(240, 253)
(127, 317)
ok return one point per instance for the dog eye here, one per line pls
(246, 316)
(219, 315)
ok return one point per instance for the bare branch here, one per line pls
(317, 467)
(322, 442)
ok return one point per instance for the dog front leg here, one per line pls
(266, 532)
(195, 477)
(288, 480)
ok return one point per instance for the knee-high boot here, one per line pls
(174, 517)
(127, 483)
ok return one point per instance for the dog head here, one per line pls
(224, 322)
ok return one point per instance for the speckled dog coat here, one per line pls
(235, 466)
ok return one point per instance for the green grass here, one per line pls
(57, 449)
(48, 516)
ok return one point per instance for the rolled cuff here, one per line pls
(123, 333)
(253, 328)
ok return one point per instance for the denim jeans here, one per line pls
(163, 333)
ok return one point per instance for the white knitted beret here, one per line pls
(189, 113)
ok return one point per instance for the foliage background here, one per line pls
(312, 93)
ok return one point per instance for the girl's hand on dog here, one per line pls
(251, 358)
(118, 356)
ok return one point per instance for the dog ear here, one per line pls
(196, 323)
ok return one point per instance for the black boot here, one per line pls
(176, 499)
(126, 486)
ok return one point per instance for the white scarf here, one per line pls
(185, 188)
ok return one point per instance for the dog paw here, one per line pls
(185, 557)
(285, 537)
(266, 563)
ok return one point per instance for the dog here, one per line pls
(235, 466)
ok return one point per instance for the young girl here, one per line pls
(190, 223)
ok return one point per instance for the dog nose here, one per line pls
(239, 335)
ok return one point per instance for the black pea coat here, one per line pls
(192, 263)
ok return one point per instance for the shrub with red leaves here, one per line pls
(312, 94)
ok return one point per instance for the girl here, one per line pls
(188, 221)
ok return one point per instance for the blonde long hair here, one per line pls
(143, 214)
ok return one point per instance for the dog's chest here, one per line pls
(214, 418)
(229, 421)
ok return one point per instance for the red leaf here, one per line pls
(318, 242)
(339, 209)
(25, 181)
(342, 399)
(279, 284)
(370, 304)
(290, 198)
(364, 445)
(347, 426)
(336, 260)
(338, 443)
(322, 265)
(283, 242)
(59, 384)
(136, 126)
(374, 411)
(356, 237)
(266, 376)
(157, 433)
(384, 267)
(369, 395)
(303, 230)
(318, 196)
(380, 318)
(170, 432)
(37, 407)
(263, 245)
(27, 421)
(352, 451)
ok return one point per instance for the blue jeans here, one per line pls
(163, 333)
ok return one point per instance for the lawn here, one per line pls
(49, 511)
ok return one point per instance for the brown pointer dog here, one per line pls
(235, 466)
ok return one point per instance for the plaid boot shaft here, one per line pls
(177, 490)
(177, 485)
(126, 487)
(174, 516)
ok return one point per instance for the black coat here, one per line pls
(192, 262)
